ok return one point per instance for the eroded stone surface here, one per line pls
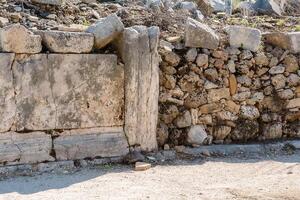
(65, 91)
(289, 41)
(248, 38)
(91, 143)
(200, 35)
(106, 30)
(17, 148)
(7, 97)
(17, 39)
(67, 42)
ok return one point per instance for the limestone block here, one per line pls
(200, 35)
(289, 41)
(141, 85)
(106, 30)
(17, 39)
(21, 148)
(67, 42)
(65, 91)
(7, 96)
(244, 37)
(91, 143)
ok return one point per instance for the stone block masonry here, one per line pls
(73, 103)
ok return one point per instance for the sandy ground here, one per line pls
(230, 178)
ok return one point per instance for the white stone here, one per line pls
(244, 37)
(196, 135)
(106, 30)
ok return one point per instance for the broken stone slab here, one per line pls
(7, 96)
(200, 35)
(91, 143)
(244, 37)
(269, 7)
(106, 30)
(139, 52)
(50, 2)
(67, 42)
(142, 166)
(65, 91)
(289, 41)
(17, 39)
(21, 148)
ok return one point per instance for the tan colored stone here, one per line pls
(232, 107)
(17, 39)
(67, 42)
(232, 84)
(91, 143)
(22, 148)
(293, 103)
(218, 94)
(49, 2)
(210, 108)
(289, 41)
(142, 166)
(65, 91)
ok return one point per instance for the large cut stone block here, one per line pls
(16, 148)
(17, 39)
(67, 42)
(141, 85)
(289, 41)
(7, 96)
(91, 143)
(65, 91)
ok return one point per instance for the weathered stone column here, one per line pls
(139, 52)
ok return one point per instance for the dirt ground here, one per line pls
(230, 178)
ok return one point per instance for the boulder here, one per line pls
(67, 42)
(288, 41)
(196, 135)
(91, 143)
(200, 35)
(23, 148)
(17, 39)
(49, 2)
(106, 30)
(244, 37)
(268, 7)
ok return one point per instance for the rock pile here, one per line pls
(245, 91)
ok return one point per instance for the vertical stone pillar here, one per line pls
(140, 56)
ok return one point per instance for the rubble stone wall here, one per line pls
(244, 90)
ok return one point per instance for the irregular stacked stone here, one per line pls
(69, 103)
(244, 91)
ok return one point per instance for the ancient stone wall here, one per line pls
(237, 89)
(61, 100)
